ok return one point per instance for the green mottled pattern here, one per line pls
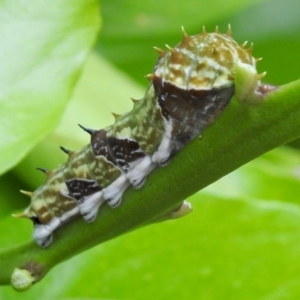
(101, 170)
(121, 128)
(76, 166)
(146, 122)
(104, 171)
(48, 201)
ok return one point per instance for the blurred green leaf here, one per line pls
(11, 199)
(43, 47)
(242, 240)
(96, 95)
(127, 38)
(224, 250)
(276, 39)
(228, 248)
(273, 176)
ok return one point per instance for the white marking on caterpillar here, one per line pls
(162, 154)
(191, 85)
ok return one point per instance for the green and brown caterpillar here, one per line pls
(191, 85)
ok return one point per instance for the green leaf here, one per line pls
(242, 240)
(229, 247)
(275, 42)
(225, 249)
(43, 46)
(273, 176)
(96, 95)
(132, 28)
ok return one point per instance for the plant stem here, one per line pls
(242, 133)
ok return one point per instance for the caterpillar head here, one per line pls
(203, 61)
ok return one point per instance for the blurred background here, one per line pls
(242, 240)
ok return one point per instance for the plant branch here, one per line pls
(243, 132)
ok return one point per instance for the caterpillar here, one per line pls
(190, 86)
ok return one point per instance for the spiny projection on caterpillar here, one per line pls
(191, 85)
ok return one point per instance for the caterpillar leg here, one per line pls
(45, 241)
(113, 193)
(90, 206)
(43, 232)
(138, 174)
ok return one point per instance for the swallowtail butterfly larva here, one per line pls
(191, 85)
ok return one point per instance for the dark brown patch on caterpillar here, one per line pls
(191, 85)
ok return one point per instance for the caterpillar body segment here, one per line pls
(191, 85)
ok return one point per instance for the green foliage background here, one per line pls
(241, 241)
